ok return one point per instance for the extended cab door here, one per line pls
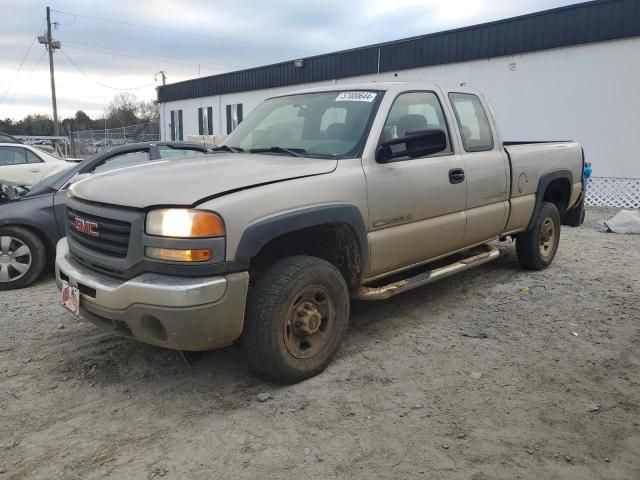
(486, 167)
(416, 205)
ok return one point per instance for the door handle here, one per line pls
(456, 175)
(35, 170)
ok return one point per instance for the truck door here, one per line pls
(487, 170)
(416, 205)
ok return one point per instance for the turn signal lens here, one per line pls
(172, 255)
(184, 223)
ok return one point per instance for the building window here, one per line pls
(175, 125)
(234, 116)
(205, 121)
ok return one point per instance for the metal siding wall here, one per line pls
(574, 25)
(549, 95)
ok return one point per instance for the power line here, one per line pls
(145, 56)
(179, 32)
(98, 81)
(28, 76)
(22, 63)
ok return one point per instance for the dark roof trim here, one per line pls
(582, 23)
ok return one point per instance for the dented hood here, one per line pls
(190, 180)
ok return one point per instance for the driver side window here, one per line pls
(412, 112)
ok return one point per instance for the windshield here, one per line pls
(328, 124)
(56, 177)
(54, 181)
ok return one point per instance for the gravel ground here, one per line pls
(497, 373)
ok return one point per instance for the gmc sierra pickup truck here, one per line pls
(360, 191)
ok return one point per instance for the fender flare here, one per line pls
(258, 234)
(544, 182)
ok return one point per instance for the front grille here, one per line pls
(112, 235)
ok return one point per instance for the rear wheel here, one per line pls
(536, 248)
(22, 257)
(297, 315)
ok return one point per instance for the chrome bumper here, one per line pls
(182, 313)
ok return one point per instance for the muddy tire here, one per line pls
(536, 248)
(297, 315)
(22, 258)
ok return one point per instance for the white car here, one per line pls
(25, 164)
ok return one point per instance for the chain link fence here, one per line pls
(89, 142)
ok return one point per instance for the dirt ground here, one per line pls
(497, 373)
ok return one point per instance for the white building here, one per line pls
(568, 73)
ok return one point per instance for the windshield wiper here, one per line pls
(226, 148)
(293, 152)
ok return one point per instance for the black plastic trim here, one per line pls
(146, 266)
(544, 182)
(259, 234)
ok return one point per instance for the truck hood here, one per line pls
(188, 181)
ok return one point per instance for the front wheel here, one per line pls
(297, 315)
(22, 258)
(536, 248)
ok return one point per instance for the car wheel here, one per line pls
(297, 315)
(536, 248)
(22, 257)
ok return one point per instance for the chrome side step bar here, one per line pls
(392, 289)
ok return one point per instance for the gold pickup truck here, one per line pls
(360, 191)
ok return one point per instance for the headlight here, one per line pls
(184, 223)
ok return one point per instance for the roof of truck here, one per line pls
(385, 86)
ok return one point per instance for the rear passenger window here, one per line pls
(32, 157)
(412, 112)
(123, 160)
(12, 156)
(170, 152)
(473, 122)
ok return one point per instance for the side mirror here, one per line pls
(417, 143)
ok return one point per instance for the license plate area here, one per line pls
(70, 297)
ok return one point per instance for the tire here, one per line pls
(14, 241)
(535, 249)
(297, 315)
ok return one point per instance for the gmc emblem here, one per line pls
(85, 226)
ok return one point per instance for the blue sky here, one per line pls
(189, 38)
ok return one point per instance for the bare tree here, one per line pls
(122, 110)
(148, 111)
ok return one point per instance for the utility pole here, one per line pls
(51, 45)
(163, 74)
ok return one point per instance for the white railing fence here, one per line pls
(613, 192)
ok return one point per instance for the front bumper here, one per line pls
(181, 313)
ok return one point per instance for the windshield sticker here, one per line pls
(356, 97)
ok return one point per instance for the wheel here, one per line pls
(537, 247)
(22, 257)
(297, 315)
